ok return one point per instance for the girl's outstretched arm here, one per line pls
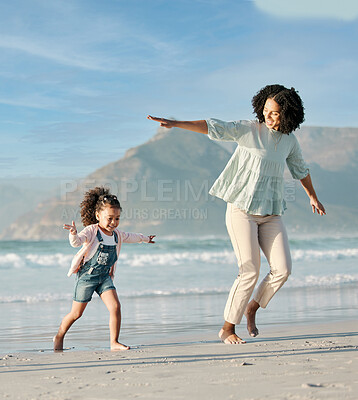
(130, 237)
(76, 240)
(196, 126)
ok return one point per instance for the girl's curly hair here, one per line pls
(95, 200)
(292, 110)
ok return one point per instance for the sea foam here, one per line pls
(13, 260)
(172, 258)
(225, 257)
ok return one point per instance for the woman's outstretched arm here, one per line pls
(315, 204)
(196, 126)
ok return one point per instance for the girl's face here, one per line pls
(108, 219)
(272, 114)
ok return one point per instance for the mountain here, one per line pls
(163, 188)
(21, 195)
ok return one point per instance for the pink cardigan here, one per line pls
(87, 238)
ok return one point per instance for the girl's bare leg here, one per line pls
(75, 313)
(110, 299)
(250, 314)
(228, 336)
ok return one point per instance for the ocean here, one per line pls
(171, 290)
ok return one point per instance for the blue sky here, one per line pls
(79, 77)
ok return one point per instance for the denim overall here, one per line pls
(94, 274)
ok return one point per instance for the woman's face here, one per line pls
(108, 219)
(272, 114)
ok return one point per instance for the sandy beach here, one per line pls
(298, 362)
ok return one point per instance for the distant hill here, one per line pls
(163, 187)
(21, 195)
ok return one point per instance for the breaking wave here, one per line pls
(31, 260)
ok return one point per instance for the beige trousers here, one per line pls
(248, 233)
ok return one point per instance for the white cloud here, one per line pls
(50, 52)
(32, 101)
(72, 35)
(317, 9)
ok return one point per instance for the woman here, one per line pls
(252, 185)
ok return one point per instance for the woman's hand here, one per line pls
(167, 123)
(151, 237)
(317, 206)
(195, 126)
(71, 228)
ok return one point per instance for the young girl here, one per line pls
(96, 261)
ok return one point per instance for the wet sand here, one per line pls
(318, 361)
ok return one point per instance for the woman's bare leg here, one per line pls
(75, 313)
(228, 336)
(110, 299)
(250, 314)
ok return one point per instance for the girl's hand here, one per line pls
(151, 237)
(317, 205)
(167, 123)
(71, 228)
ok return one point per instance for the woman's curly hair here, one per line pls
(292, 110)
(95, 200)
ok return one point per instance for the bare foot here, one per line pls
(230, 337)
(57, 343)
(119, 346)
(250, 314)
